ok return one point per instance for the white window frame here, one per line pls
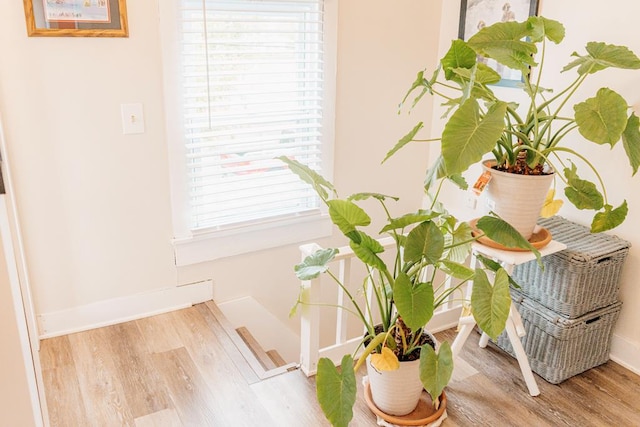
(192, 247)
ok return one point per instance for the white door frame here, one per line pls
(19, 282)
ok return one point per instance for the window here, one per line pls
(251, 80)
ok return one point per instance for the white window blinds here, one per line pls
(252, 73)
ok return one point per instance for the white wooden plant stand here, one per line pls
(515, 329)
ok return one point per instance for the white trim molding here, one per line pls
(221, 244)
(124, 309)
(625, 353)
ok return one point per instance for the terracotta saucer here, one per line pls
(422, 415)
(539, 239)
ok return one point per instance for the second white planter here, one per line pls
(396, 392)
(518, 199)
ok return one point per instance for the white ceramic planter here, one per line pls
(396, 392)
(518, 199)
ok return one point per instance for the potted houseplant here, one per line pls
(528, 139)
(405, 291)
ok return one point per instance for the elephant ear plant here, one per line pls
(525, 138)
(406, 291)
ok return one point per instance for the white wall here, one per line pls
(589, 20)
(94, 204)
(612, 22)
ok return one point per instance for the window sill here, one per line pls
(212, 245)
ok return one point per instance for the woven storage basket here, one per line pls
(580, 279)
(559, 348)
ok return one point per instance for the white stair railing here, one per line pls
(310, 314)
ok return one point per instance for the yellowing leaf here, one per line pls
(550, 207)
(549, 210)
(385, 361)
(466, 311)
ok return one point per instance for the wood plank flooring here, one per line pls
(181, 369)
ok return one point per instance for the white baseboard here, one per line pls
(444, 319)
(625, 353)
(118, 310)
(266, 328)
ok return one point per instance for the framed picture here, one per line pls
(76, 18)
(476, 14)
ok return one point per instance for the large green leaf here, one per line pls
(603, 118)
(493, 265)
(413, 301)
(436, 172)
(347, 216)
(315, 264)
(502, 232)
(457, 270)
(610, 218)
(459, 250)
(542, 27)
(427, 86)
(483, 74)
(468, 135)
(404, 141)
(505, 42)
(424, 241)
(336, 390)
(490, 304)
(601, 56)
(308, 175)
(459, 55)
(366, 250)
(459, 181)
(582, 193)
(631, 141)
(408, 219)
(377, 196)
(436, 369)
(419, 81)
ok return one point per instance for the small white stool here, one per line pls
(514, 327)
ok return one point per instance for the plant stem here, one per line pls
(560, 134)
(353, 301)
(534, 93)
(571, 90)
(368, 281)
(396, 237)
(435, 197)
(427, 140)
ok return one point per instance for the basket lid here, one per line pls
(582, 245)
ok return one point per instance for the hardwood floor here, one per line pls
(181, 369)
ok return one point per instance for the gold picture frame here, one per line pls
(76, 18)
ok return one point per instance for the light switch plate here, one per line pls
(132, 118)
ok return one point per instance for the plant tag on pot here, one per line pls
(482, 182)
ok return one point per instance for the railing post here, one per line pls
(309, 319)
(342, 315)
